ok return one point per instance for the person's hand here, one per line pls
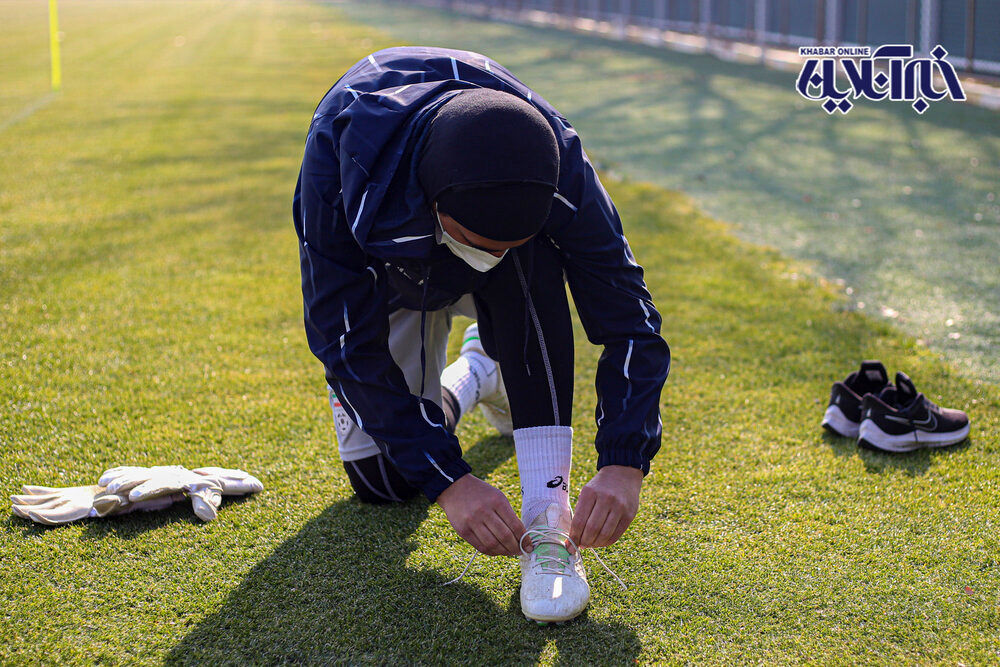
(482, 516)
(606, 506)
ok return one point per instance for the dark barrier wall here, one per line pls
(968, 29)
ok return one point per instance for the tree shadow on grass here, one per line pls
(913, 464)
(341, 591)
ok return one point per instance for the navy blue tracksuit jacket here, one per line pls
(367, 237)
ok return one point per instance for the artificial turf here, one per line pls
(150, 313)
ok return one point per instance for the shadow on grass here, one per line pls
(341, 590)
(913, 464)
(128, 526)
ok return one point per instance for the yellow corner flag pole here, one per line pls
(54, 45)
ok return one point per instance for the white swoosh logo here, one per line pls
(928, 424)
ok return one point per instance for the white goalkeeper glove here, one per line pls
(131, 488)
(204, 486)
(54, 506)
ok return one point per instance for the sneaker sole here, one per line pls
(545, 623)
(836, 422)
(873, 437)
(558, 620)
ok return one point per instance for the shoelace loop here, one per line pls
(545, 562)
(548, 563)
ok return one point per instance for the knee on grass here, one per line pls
(376, 481)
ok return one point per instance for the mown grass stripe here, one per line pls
(150, 313)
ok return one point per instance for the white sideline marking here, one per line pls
(31, 108)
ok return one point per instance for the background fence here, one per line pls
(968, 29)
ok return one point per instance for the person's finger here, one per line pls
(487, 542)
(509, 517)
(584, 506)
(466, 535)
(625, 519)
(593, 527)
(504, 535)
(620, 529)
(603, 538)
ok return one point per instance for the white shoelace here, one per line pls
(547, 564)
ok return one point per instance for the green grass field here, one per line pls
(150, 313)
(903, 210)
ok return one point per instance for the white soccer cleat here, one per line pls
(495, 407)
(554, 586)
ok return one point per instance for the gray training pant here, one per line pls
(404, 345)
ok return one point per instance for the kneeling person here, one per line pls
(435, 183)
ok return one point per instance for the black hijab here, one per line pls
(491, 161)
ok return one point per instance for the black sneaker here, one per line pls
(843, 415)
(901, 420)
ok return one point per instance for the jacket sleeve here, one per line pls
(616, 310)
(347, 326)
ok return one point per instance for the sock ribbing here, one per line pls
(471, 378)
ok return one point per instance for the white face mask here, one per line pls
(480, 260)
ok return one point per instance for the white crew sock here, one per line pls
(471, 378)
(544, 455)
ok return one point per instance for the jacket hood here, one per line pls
(377, 115)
